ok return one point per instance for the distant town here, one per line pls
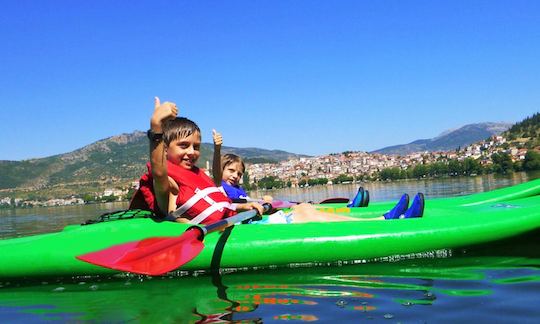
(347, 167)
(367, 166)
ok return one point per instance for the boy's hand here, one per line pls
(162, 112)
(173, 186)
(218, 139)
(250, 206)
(182, 220)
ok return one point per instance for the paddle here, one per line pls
(159, 255)
(280, 204)
(277, 204)
(334, 201)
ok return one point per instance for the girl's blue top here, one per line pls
(234, 192)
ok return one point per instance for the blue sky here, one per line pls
(310, 77)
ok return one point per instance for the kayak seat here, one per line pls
(399, 209)
(358, 199)
(417, 207)
(365, 199)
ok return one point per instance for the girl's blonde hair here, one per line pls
(227, 159)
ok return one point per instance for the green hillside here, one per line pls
(113, 162)
(525, 133)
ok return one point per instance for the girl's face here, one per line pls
(233, 173)
(185, 151)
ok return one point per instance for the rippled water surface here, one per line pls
(499, 283)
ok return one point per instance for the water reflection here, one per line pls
(440, 290)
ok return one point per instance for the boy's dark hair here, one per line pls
(227, 159)
(178, 128)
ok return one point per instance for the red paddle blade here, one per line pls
(334, 201)
(152, 256)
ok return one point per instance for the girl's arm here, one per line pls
(216, 163)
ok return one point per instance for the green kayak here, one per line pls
(448, 223)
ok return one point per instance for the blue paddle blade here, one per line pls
(152, 256)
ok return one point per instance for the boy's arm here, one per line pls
(158, 158)
(216, 163)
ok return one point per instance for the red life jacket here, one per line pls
(198, 198)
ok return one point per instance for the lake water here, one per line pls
(498, 284)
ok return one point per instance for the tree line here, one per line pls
(501, 164)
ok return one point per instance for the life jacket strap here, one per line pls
(199, 194)
(209, 211)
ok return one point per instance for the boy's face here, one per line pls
(232, 173)
(185, 151)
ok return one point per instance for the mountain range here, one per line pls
(117, 159)
(449, 140)
(121, 159)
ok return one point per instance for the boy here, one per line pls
(175, 183)
(173, 180)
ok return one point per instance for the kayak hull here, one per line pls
(447, 224)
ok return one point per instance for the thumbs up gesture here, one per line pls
(218, 139)
(162, 112)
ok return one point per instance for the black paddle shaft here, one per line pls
(226, 222)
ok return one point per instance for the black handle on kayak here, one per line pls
(226, 222)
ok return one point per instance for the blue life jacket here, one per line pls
(234, 192)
